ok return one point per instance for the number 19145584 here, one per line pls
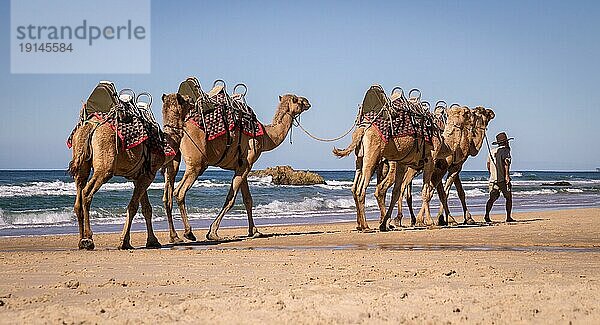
(45, 47)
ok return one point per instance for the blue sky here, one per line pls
(534, 62)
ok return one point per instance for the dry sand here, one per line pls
(543, 270)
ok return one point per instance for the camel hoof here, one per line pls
(440, 221)
(364, 229)
(125, 246)
(452, 222)
(153, 244)
(510, 220)
(488, 220)
(419, 224)
(255, 234)
(87, 244)
(175, 240)
(383, 227)
(469, 221)
(189, 236)
(213, 236)
(397, 223)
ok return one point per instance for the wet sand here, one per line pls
(543, 269)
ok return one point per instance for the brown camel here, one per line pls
(198, 154)
(407, 151)
(464, 141)
(95, 147)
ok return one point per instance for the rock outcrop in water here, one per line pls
(560, 183)
(286, 175)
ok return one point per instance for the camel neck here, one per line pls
(276, 132)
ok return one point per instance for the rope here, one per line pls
(324, 139)
(296, 122)
(489, 150)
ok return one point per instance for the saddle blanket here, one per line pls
(133, 132)
(224, 115)
(403, 124)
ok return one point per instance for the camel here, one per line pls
(407, 151)
(95, 147)
(464, 142)
(199, 154)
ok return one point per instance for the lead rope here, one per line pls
(297, 123)
(489, 150)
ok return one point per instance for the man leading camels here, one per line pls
(498, 164)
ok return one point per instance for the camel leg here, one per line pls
(247, 197)
(98, 178)
(461, 195)
(406, 179)
(426, 195)
(171, 170)
(444, 205)
(151, 241)
(140, 186)
(189, 177)
(396, 194)
(447, 187)
(240, 176)
(355, 184)
(382, 187)
(81, 178)
(368, 167)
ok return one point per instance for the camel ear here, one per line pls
(280, 97)
(163, 97)
(294, 99)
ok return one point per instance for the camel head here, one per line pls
(293, 105)
(175, 109)
(481, 117)
(459, 116)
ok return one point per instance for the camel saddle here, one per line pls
(398, 116)
(130, 117)
(217, 113)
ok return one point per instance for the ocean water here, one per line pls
(41, 202)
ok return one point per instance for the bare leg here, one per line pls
(409, 204)
(189, 177)
(508, 196)
(494, 195)
(240, 176)
(252, 230)
(171, 169)
(151, 241)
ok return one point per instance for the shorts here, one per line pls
(500, 187)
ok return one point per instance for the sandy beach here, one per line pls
(543, 269)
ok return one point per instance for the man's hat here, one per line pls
(502, 138)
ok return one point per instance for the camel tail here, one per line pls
(356, 138)
(82, 150)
